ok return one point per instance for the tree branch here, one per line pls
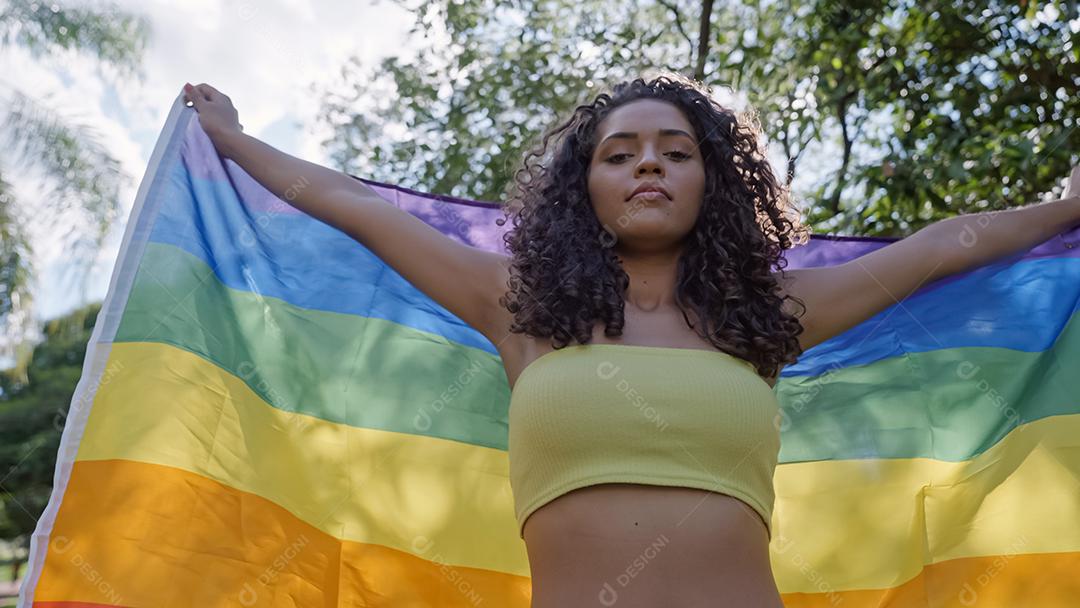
(678, 22)
(703, 39)
(833, 202)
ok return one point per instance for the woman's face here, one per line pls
(646, 142)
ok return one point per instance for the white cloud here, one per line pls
(264, 54)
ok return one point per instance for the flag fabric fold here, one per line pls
(269, 415)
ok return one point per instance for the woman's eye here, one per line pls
(679, 155)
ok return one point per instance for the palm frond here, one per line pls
(115, 37)
(81, 175)
(16, 272)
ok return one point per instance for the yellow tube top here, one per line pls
(597, 413)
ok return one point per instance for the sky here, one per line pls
(265, 55)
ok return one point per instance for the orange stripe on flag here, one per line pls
(1046, 580)
(136, 534)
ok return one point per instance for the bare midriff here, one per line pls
(634, 546)
(638, 546)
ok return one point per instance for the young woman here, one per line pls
(642, 316)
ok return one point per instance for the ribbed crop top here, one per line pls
(597, 413)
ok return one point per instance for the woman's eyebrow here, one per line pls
(633, 135)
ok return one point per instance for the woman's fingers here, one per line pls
(202, 91)
(216, 112)
(1072, 187)
(189, 98)
(211, 93)
(194, 95)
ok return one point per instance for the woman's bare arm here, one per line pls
(465, 280)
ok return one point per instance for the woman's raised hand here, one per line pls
(1072, 187)
(216, 112)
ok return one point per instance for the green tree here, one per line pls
(32, 415)
(919, 110)
(81, 175)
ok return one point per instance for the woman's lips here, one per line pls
(649, 195)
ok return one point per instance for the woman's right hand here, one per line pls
(217, 115)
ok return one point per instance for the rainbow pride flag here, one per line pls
(270, 416)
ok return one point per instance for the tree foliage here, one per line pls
(33, 410)
(81, 174)
(903, 112)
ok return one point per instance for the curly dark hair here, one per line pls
(565, 276)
